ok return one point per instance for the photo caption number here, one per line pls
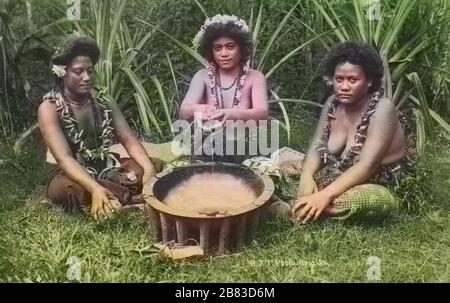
(243, 292)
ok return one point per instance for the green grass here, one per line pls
(413, 246)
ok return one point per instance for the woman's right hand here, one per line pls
(307, 186)
(206, 111)
(102, 206)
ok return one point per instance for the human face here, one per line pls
(350, 84)
(79, 76)
(227, 53)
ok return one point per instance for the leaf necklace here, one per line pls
(75, 134)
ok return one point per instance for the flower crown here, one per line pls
(223, 19)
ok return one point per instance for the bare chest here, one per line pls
(86, 122)
(229, 94)
(342, 134)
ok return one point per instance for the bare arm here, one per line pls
(381, 130)
(194, 99)
(132, 145)
(260, 101)
(312, 161)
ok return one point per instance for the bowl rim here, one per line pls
(160, 206)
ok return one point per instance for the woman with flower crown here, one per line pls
(227, 90)
(86, 177)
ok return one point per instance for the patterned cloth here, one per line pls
(364, 200)
(360, 201)
(124, 182)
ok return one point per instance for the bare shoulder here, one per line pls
(256, 74)
(47, 108)
(49, 102)
(385, 110)
(201, 74)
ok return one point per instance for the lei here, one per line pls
(215, 86)
(360, 136)
(75, 134)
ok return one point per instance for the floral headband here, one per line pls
(223, 19)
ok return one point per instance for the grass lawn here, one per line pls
(413, 246)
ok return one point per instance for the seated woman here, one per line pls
(227, 90)
(359, 140)
(78, 132)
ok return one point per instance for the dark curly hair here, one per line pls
(73, 47)
(80, 46)
(359, 54)
(230, 30)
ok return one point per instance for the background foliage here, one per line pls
(147, 63)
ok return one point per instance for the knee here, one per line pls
(61, 187)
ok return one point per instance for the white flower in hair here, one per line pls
(59, 70)
(221, 19)
(328, 81)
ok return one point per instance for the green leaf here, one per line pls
(256, 31)
(293, 53)
(163, 102)
(287, 124)
(274, 36)
(422, 100)
(421, 133)
(172, 71)
(330, 22)
(301, 101)
(201, 8)
(184, 46)
(143, 102)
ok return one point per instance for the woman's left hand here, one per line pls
(224, 114)
(310, 207)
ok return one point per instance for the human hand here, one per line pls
(310, 207)
(205, 111)
(223, 115)
(104, 204)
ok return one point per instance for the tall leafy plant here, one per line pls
(14, 48)
(352, 20)
(120, 69)
(261, 62)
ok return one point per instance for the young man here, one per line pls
(79, 131)
(227, 90)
